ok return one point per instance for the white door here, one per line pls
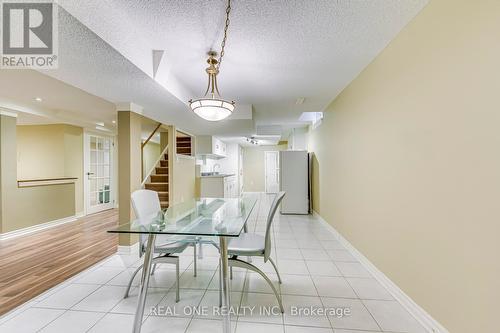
(98, 157)
(272, 171)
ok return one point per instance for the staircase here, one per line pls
(184, 145)
(159, 181)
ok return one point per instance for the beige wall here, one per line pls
(184, 179)
(129, 171)
(254, 167)
(51, 151)
(26, 207)
(40, 151)
(73, 164)
(407, 163)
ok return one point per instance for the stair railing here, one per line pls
(144, 145)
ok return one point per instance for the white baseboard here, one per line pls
(425, 319)
(128, 249)
(38, 227)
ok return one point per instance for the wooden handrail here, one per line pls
(45, 181)
(143, 145)
(150, 136)
(146, 176)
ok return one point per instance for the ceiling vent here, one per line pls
(271, 130)
(300, 101)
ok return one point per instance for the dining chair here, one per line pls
(255, 245)
(146, 205)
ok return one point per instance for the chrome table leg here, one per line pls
(226, 297)
(200, 247)
(143, 288)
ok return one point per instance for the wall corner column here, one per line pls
(129, 163)
(8, 160)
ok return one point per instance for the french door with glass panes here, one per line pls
(99, 192)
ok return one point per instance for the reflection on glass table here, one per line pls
(215, 219)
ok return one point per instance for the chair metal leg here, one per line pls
(243, 264)
(231, 273)
(276, 269)
(195, 262)
(132, 280)
(167, 259)
(153, 270)
(177, 296)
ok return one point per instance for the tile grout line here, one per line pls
(364, 306)
(256, 222)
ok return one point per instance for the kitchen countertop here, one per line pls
(221, 175)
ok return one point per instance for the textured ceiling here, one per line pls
(277, 51)
(89, 63)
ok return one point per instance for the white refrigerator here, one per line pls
(295, 181)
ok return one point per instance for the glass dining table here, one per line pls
(214, 220)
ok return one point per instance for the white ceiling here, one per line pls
(277, 51)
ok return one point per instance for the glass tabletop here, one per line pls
(197, 217)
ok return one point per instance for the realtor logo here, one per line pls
(29, 34)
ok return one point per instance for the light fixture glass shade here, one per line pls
(212, 109)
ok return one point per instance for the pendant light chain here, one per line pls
(213, 107)
(223, 44)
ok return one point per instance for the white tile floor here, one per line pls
(317, 271)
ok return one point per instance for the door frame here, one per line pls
(112, 169)
(277, 153)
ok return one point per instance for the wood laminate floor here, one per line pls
(32, 264)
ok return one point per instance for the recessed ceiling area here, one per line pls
(41, 99)
(32, 119)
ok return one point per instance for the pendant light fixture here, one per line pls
(211, 106)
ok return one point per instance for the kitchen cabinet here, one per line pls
(230, 187)
(210, 147)
(219, 186)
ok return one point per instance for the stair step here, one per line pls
(161, 170)
(183, 138)
(164, 204)
(164, 163)
(159, 178)
(163, 195)
(165, 157)
(157, 186)
(186, 144)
